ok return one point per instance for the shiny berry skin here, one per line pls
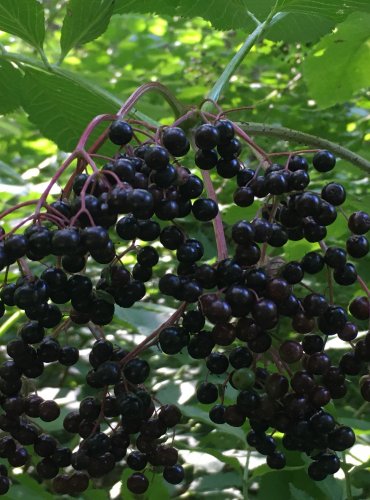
(120, 132)
(335, 257)
(217, 363)
(206, 159)
(204, 209)
(334, 193)
(175, 141)
(323, 161)
(312, 262)
(345, 276)
(136, 371)
(174, 474)
(137, 483)
(341, 438)
(360, 308)
(357, 246)
(207, 393)
(359, 222)
(276, 460)
(206, 136)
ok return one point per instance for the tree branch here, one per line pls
(289, 134)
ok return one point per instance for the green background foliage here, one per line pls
(63, 62)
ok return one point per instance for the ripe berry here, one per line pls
(205, 209)
(175, 140)
(137, 483)
(174, 474)
(120, 132)
(323, 161)
(359, 222)
(334, 193)
(360, 308)
(207, 393)
(206, 136)
(357, 246)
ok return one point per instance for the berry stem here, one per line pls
(363, 285)
(218, 228)
(261, 155)
(125, 109)
(176, 105)
(144, 344)
(53, 180)
(15, 208)
(24, 267)
(91, 126)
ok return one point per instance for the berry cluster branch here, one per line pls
(303, 138)
(153, 336)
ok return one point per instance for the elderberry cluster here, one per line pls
(234, 313)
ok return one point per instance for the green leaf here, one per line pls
(84, 21)
(334, 9)
(305, 20)
(144, 317)
(61, 105)
(222, 15)
(23, 18)
(338, 66)
(277, 484)
(218, 482)
(300, 27)
(10, 81)
(27, 488)
(297, 494)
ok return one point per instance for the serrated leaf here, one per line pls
(10, 81)
(346, 52)
(223, 15)
(84, 21)
(306, 20)
(300, 27)
(23, 18)
(61, 105)
(335, 9)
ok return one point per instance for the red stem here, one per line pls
(53, 180)
(218, 228)
(144, 344)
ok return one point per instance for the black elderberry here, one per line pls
(359, 222)
(334, 193)
(357, 246)
(172, 339)
(206, 159)
(136, 371)
(205, 209)
(323, 161)
(206, 136)
(297, 162)
(120, 132)
(174, 474)
(175, 141)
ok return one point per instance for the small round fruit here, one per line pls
(243, 378)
